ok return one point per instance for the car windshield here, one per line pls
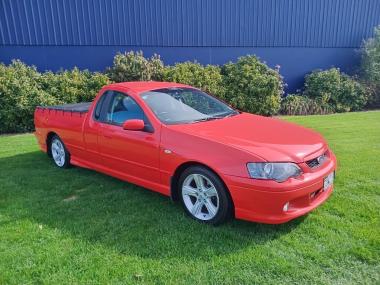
(185, 105)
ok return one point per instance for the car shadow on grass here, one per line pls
(131, 220)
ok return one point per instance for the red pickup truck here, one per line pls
(181, 142)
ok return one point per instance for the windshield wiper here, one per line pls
(225, 116)
(213, 118)
(205, 119)
(232, 114)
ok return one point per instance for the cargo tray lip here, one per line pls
(76, 107)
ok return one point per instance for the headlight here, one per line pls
(278, 171)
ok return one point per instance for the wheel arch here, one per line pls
(174, 191)
(49, 137)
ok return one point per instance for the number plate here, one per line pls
(328, 181)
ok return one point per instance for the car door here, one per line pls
(126, 152)
(91, 130)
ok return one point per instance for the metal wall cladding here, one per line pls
(188, 23)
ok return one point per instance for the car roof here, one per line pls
(142, 86)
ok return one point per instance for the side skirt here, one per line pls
(162, 189)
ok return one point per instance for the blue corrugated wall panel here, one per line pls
(193, 29)
(196, 23)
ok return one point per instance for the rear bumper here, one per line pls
(264, 201)
(40, 140)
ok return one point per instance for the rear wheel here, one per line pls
(204, 196)
(59, 153)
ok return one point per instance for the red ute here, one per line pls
(179, 141)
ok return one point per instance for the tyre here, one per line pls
(59, 153)
(204, 196)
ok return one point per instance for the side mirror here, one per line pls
(134, 125)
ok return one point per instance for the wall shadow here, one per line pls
(129, 219)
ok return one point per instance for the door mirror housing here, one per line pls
(134, 125)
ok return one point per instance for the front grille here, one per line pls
(317, 162)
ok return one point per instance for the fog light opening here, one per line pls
(286, 207)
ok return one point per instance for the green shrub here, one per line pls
(337, 89)
(72, 86)
(252, 86)
(295, 104)
(370, 68)
(22, 88)
(20, 93)
(133, 66)
(207, 78)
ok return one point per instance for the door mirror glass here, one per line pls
(134, 125)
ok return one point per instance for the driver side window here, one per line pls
(122, 108)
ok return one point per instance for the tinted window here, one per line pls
(122, 108)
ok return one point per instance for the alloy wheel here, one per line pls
(58, 152)
(200, 197)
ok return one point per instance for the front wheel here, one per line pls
(204, 196)
(59, 153)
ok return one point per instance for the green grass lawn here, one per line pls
(78, 226)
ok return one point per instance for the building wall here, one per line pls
(298, 35)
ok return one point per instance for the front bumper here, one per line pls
(263, 201)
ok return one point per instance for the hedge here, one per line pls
(336, 89)
(71, 86)
(370, 69)
(248, 84)
(296, 104)
(252, 86)
(22, 88)
(133, 66)
(208, 78)
(20, 93)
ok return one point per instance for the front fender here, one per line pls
(178, 148)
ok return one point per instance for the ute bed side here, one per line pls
(66, 121)
(77, 107)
